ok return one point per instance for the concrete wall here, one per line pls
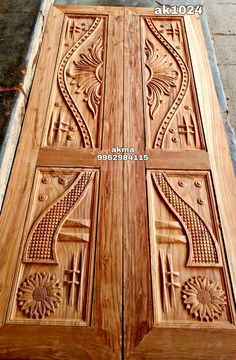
(221, 16)
(22, 25)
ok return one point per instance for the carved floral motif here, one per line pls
(204, 298)
(87, 74)
(184, 79)
(162, 77)
(39, 295)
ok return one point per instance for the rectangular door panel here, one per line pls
(187, 250)
(75, 109)
(172, 114)
(59, 246)
(191, 285)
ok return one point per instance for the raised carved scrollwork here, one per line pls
(66, 91)
(86, 73)
(184, 83)
(161, 77)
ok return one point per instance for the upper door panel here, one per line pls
(75, 109)
(172, 114)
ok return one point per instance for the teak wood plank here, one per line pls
(187, 164)
(107, 308)
(137, 290)
(185, 160)
(55, 157)
(48, 342)
(194, 344)
(17, 196)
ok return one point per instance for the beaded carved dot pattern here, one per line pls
(40, 243)
(204, 250)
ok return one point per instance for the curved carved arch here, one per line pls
(162, 131)
(84, 130)
(204, 249)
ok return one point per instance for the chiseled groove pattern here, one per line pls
(84, 130)
(41, 237)
(203, 244)
(160, 137)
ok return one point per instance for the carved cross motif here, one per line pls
(175, 32)
(60, 124)
(188, 129)
(171, 274)
(75, 277)
(73, 28)
(168, 280)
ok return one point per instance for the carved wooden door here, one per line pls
(120, 257)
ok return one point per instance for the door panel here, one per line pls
(118, 259)
(186, 244)
(171, 111)
(74, 117)
(137, 276)
(61, 231)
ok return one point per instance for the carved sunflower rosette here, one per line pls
(203, 298)
(40, 295)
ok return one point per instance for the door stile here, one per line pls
(137, 281)
(107, 308)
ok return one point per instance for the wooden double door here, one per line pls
(117, 226)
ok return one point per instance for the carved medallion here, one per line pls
(39, 295)
(204, 298)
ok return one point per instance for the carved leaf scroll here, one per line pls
(184, 84)
(66, 91)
